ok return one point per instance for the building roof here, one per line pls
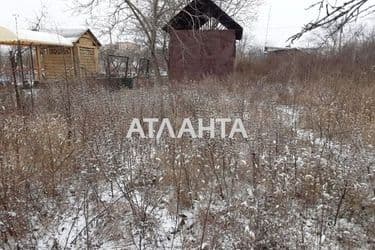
(279, 49)
(74, 34)
(28, 38)
(58, 37)
(289, 49)
(197, 13)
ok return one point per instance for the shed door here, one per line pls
(87, 61)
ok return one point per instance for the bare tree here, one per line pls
(336, 15)
(143, 19)
(334, 42)
(38, 22)
(240, 8)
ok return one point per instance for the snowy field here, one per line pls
(304, 179)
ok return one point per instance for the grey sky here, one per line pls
(283, 19)
(286, 17)
(59, 13)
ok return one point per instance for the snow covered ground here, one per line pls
(287, 186)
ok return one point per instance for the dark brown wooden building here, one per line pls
(202, 41)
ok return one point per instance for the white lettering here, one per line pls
(186, 127)
(165, 123)
(238, 127)
(210, 128)
(223, 122)
(135, 127)
(150, 122)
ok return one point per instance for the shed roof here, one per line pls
(28, 38)
(197, 13)
(74, 34)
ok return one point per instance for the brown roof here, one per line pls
(197, 13)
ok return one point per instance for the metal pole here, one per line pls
(32, 63)
(21, 62)
(33, 77)
(108, 67)
(1, 62)
(127, 67)
(38, 62)
(20, 52)
(13, 65)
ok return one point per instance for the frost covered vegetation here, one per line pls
(304, 179)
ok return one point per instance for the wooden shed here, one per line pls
(58, 54)
(80, 60)
(197, 47)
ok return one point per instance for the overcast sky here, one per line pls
(285, 17)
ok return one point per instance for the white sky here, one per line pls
(286, 17)
(59, 13)
(283, 18)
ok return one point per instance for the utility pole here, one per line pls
(20, 53)
(268, 26)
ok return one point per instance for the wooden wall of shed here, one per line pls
(58, 62)
(195, 54)
(86, 56)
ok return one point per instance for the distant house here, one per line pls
(288, 51)
(123, 48)
(127, 47)
(281, 51)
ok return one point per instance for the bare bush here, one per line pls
(303, 179)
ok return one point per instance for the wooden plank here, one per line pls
(58, 63)
(38, 63)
